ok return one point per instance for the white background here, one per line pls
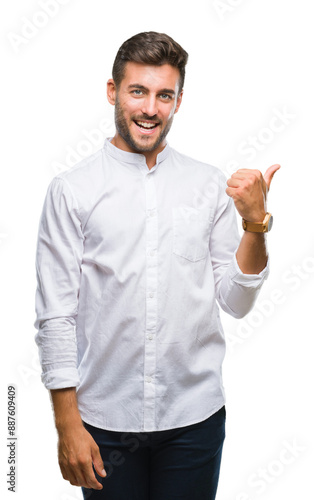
(248, 62)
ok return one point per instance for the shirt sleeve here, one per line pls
(235, 291)
(58, 265)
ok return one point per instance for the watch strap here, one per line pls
(256, 227)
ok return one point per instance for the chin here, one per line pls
(145, 145)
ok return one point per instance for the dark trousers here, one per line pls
(180, 463)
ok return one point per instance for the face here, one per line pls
(145, 105)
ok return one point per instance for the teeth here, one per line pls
(146, 125)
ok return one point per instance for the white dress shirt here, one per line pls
(131, 264)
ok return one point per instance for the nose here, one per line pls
(149, 105)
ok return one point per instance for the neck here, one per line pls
(151, 156)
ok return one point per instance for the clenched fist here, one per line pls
(248, 189)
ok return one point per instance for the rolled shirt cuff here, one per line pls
(249, 280)
(61, 378)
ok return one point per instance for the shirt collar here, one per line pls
(128, 157)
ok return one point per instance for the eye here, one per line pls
(137, 92)
(166, 97)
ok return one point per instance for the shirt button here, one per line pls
(151, 295)
(148, 380)
(152, 253)
(150, 337)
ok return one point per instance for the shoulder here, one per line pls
(83, 170)
(194, 166)
(78, 184)
(83, 180)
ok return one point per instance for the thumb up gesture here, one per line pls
(248, 188)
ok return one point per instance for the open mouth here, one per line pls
(145, 126)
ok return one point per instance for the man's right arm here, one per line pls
(77, 450)
(58, 264)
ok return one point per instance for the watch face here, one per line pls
(270, 223)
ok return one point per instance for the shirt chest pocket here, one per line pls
(191, 232)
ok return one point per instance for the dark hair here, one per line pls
(152, 48)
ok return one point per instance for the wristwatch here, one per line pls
(259, 227)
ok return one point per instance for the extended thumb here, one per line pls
(269, 174)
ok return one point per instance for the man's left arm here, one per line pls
(248, 189)
(240, 266)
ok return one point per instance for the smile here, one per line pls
(146, 127)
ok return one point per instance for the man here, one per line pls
(136, 246)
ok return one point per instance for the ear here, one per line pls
(179, 100)
(111, 91)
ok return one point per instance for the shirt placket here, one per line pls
(151, 301)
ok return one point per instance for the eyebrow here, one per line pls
(141, 87)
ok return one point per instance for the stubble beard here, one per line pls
(124, 131)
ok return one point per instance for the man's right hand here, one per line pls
(77, 451)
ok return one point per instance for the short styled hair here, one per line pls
(152, 48)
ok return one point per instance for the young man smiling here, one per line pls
(145, 103)
(137, 246)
